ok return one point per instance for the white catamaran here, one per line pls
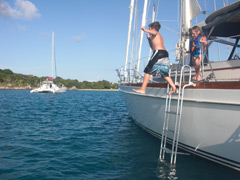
(48, 86)
(204, 117)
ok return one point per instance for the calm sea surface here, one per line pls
(84, 135)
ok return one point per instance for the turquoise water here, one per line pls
(84, 135)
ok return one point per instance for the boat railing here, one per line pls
(205, 56)
(131, 72)
(133, 76)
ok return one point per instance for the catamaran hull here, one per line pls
(49, 87)
(41, 91)
(210, 120)
(53, 91)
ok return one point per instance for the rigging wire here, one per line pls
(148, 6)
(55, 63)
(136, 32)
(134, 37)
(215, 8)
(178, 18)
(205, 4)
(157, 9)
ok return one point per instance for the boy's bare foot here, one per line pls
(139, 91)
(194, 78)
(173, 91)
(199, 78)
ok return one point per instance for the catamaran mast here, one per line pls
(141, 36)
(129, 34)
(52, 52)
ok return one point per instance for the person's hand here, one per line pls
(203, 40)
(148, 36)
(142, 28)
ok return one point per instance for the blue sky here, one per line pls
(90, 36)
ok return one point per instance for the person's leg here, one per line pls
(194, 64)
(170, 81)
(144, 84)
(197, 68)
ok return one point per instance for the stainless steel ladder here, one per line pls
(177, 113)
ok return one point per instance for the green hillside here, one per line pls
(10, 80)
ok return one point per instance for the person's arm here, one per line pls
(152, 31)
(203, 40)
(184, 50)
(149, 40)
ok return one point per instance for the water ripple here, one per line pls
(80, 135)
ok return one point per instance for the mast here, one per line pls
(129, 34)
(153, 18)
(52, 51)
(185, 26)
(189, 10)
(141, 36)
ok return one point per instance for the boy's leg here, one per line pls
(144, 84)
(170, 81)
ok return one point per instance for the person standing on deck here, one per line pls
(159, 62)
(197, 55)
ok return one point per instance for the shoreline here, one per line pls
(22, 88)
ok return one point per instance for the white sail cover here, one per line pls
(195, 9)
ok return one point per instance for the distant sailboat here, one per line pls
(48, 86)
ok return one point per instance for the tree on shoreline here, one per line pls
(11, 79)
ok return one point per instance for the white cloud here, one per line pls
(23, 9)
(44, 34)
(79, 38)
(21, 27)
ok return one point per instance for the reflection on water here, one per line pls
(166, 170)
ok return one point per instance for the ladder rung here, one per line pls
(169, 130)
(177, 84)
(167, 150)
(171, 112)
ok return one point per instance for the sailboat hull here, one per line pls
(210, 120)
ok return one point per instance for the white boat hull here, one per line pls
(210, 124)
(49, 87)
(53, 91)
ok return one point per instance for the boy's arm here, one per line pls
(152, 31)
(149, 40)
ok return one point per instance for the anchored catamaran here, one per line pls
(203, 118)
(48, 86)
